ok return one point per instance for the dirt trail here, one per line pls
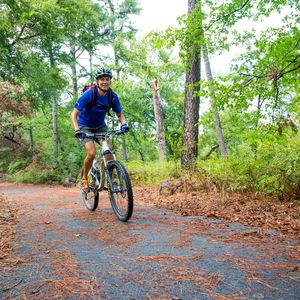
(62, 251)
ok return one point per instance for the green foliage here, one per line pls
(272, 169)
(145, 65)
(271, 70)
(37, 176)
(5, 158)
(152, 172)
(17, 165)
(71, 153)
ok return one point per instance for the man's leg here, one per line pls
(88, 161)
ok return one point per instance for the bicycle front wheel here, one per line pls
(120, 191)
(90, 196)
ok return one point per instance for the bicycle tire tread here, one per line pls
(122, 217)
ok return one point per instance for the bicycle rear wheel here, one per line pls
(120, 193)
(90, 197)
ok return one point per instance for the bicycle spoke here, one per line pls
(90, 196)
(118, 183)
(121, 192)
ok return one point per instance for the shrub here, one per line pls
(37, 176)
(17, 165)
(273, 170)
(152, 172)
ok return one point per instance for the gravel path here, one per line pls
(62, 251)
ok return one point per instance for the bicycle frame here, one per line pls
(104, 153)
(107, 167)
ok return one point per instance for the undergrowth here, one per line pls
(273, 170)
(269, 171)
(152, 172)
(37, 176)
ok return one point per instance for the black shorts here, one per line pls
(101, 129)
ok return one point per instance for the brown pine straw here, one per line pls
(8, 219)
(70, 280)
(244, 208)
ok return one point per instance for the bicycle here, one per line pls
(106, 166)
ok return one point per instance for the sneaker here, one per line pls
(85, 183)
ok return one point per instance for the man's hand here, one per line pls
(124, 128)
(79, 134)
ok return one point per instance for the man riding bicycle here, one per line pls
(88, 116)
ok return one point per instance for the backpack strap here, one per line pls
(90, 105)
(111, 100)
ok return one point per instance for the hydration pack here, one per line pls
(93, 102)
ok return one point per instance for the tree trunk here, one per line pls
(160, 132)
(216, 116)
(117, 60)
(91, 66)
(142, 155)
(258, 111)
(55, 132)
(31, 137)
(54, 116)
(74, 73)
(191, 105)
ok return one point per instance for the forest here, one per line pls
(236, 131)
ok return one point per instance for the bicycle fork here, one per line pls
(106, 171)
(95, 173)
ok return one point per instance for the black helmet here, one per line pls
(103, 72)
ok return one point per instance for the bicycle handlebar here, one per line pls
(103, 135)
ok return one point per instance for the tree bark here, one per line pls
(216, 116)
(191, 104)
(74, 73)
(55, 132)
(91, 66)
(31, 137)
(54, 116)
(160, 132)
(117, 61)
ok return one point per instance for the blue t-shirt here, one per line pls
(94, 116)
